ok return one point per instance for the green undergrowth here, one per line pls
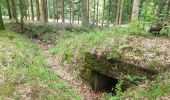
(125, 44)
(24, 74)
(46, 33)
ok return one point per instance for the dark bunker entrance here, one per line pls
(103, 83)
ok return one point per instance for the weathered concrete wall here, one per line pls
(97, 68)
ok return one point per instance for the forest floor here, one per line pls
(64, 50)
(54, 64)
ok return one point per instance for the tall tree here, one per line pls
(84, 13)
(32, 10)
(9, 9)
(1, 20)
(21, 15)
(121, 12)
(104, 4)
(14, 11)
(118, 12)
(135, 9)
(78, 11)
(71, 10)
(38, 10)
(44, 11)
(54, 10)
(62, 11)
(97, 15)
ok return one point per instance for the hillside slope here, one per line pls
(24, 73)
(150, 52)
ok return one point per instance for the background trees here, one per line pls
(96, 12)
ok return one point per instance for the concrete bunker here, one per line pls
(103, 74)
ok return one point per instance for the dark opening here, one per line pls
(103, 83)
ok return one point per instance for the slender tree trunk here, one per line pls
(97, 16)
(14, 12)
(118, 12)
(94, 12)
(21, 15)
(78, 11)
(62, 11)
(9, 9)
(71, 10)
(38, 10)
(1, 20)
(44, 11)
(121, 12)
(167, 10)
(135, 10)
(84, 13)
(104, 4)
(88, 11)
(54, 10)
(32, 10)
(109, 15)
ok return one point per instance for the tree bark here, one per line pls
(135, 10)
(21, 15)
(14, 12)
(78, 11)
(32, 10)
(9, 9)
(54, 10)
(121, 12)
(97, 16)
(71, 10)
(104, 4)
(62, 11)
(84, 13)
(38, 10)
(1, 20)
(43, 11)
(118, 12)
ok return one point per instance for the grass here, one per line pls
(126, 45)
(24, 74)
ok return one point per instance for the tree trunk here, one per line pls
(104, 4)
(121, 12)
(78, 11)
(118, 12)
(167, 10)
(14, 12)
(135, 10)
(71, 10)
(43, 11)
(88, 11)
(109, 15)
(38, 10)
(1, 20)
(94, 12)
(62, 11)
(32, 10)
(21, 15)
(84, 13)
(54, 10)
(9, 9)
(97, 16)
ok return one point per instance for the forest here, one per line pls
(84, 49)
